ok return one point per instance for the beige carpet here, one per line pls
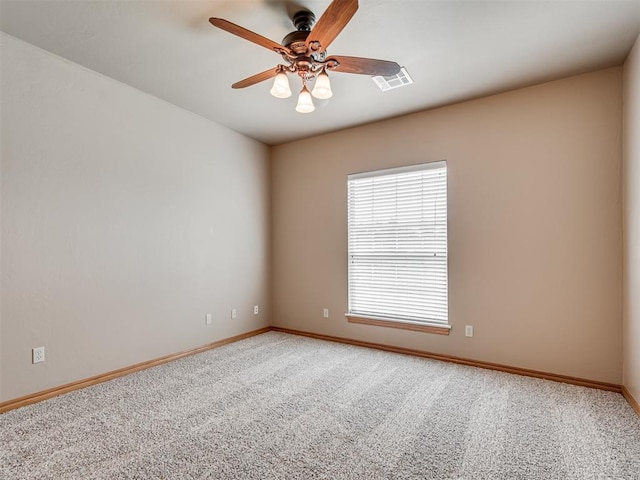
(278, 406)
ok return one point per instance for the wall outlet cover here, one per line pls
(37, 355)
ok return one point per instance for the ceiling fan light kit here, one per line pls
(281, 87)
(305, 102)
(322, 87)
(305, 54)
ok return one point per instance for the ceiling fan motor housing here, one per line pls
(295, 41)
(304, 20)
(305, 65)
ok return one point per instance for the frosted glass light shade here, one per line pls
(322, 88)
(305, 102)
(280, 87)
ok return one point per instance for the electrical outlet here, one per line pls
(468, 330)
(325, 313)
(37, 355)
(256, 310)
(234, 313)
(207, 319)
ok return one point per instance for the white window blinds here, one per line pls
(397, 227)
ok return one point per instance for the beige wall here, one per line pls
(124, 221)
(535, 228)
(631, 220)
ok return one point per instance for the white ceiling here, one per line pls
(454, 51)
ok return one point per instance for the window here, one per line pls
(397, 227)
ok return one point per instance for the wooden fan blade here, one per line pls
(248, 35)
(363, 66)
(331, 23)
(260, 77)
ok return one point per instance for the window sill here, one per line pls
(405, 325)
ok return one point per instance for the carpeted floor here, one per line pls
(278, 406)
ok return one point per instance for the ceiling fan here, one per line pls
(305, 54)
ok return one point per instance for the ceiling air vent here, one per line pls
(400, 79)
